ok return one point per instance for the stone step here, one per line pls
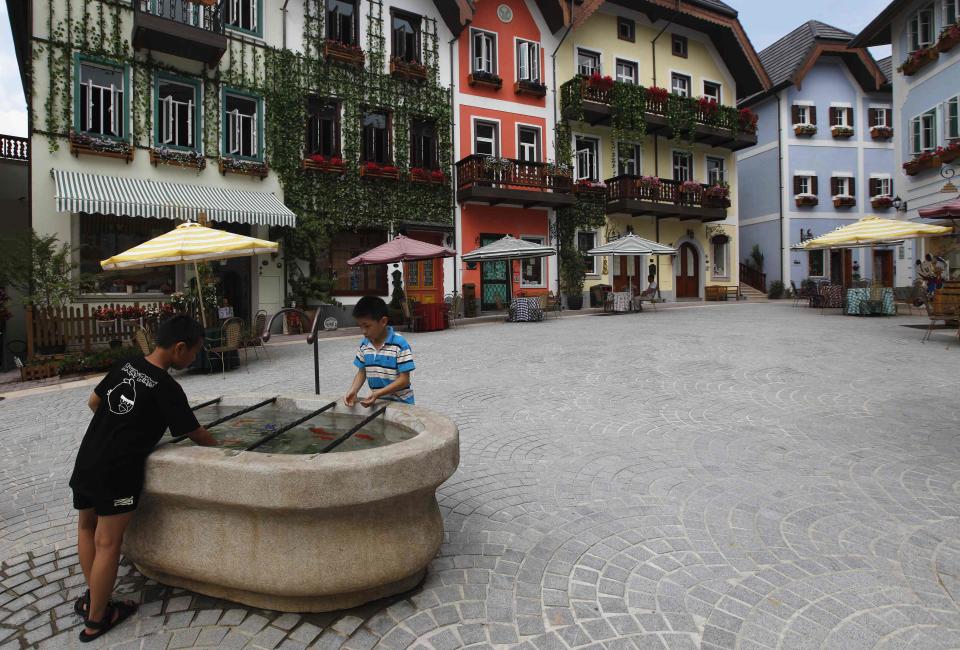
(752, 294)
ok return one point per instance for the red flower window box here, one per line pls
(376, 170)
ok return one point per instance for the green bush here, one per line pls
(572, 272)
(777, 290)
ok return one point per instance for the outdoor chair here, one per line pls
(553, 304)
(414, 320)
(255, 338)
(143, 340)
(935, 316)
(910, 297)
(231, 338)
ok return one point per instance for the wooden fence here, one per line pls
(52, 330)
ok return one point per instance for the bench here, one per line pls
(715, 292)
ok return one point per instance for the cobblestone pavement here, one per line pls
(732, 476)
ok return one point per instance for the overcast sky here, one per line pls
(764, 20)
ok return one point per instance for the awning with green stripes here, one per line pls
(138, 197)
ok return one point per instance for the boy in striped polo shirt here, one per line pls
(384, 359)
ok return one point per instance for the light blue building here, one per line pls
(824, 156)
(924, 35)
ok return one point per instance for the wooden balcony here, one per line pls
(495, 181)
(180, 27)
(596, 107)
(641, 196)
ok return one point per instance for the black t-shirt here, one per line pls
(138, 402)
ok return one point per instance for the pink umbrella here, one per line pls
(401, 249)
(948, 210)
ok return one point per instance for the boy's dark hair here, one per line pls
(177, 329)
(370, 307)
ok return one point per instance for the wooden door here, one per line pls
(688, 278)
(425, 281)
(621, 277)
(847, 267)
(493, 278)
(883, 268)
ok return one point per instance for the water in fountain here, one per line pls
(307, 438)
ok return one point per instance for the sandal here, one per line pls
(123, 610)
(82, 604)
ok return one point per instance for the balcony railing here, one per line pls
(660, 190)
(180, 27)
(510, 173)
(14, 148)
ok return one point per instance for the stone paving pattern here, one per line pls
(732, 476)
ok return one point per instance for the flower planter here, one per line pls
(484, 79)
(844, 201)
(881, 132)
(337, 52)
(918, 60)
(949, 155)
(427, 177)
(177, 160)
(35, 371)
(390, 174)
(881, 203)
(259, 170)
(841, 132)
(530, 88)
(410, 70)
(715, 202)
(806, 201)
(329, 166)
(91, 147)
(917, 165)
(804, 131)
(949, 38)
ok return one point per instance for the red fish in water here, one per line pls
(322, 434)
(362, 436)
(230, 441)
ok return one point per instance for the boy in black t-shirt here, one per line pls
(133, 406)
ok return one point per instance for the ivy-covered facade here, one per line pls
(347, 120)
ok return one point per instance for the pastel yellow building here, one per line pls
(649, 98)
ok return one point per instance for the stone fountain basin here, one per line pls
(297, 533)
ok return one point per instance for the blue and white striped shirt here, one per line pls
(383, 366)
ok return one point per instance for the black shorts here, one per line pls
(107, 502)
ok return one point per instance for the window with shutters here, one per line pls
(881, 186)
(802, 114)
(682, 166)
(842, 186)
(680, 84)
(711, 90)
(528, 61)
(815, 263)
(343, 21)
(101, 99)
(423, 144)
(629, 160)
(587, 158)
(626, 72)
(803, 185)
(177, 113)
(405, 44)
(920, 29)
(923, 132)
(528, 143)
(881, 117)
(242, 15)
(243, 125)
(486, 140)
(951, 116)
(626, 29)
(484, 52)
(323, 127)
(678, 45)
(588, 62)
(840, 116)
(375, 137)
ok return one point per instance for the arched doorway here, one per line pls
(688, 273)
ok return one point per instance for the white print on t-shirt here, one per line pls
(122, 397)
(139, 376)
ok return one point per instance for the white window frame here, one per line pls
(170, 115)
(587, 51)
(496, 136)
(538, 148)
(590, 270)
(719, 87)
(528, 60)
(722, 167)
(235, 12)
(235, 127)
(635, 79)
(537, 239)
(951, 118)
(579, 157)
(117, 124)
(922, 20)
(846, 182)
(923, 132)
(724, 272)
(673, 163)
(678, 76)
(803, 113)
(950, 6)
(886, 185)
(839, 117)
(880, 116)
(806, 183)
(488, 54)
(636, 158)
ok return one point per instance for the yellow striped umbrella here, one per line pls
(189, 242)
(871, 231)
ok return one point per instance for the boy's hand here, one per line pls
(368, 401)
(350, 398)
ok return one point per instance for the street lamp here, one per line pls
(899, 204)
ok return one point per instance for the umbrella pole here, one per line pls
(203, 312)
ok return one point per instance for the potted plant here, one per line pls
(804, 130)
(707, 106)
(657, 98)
(844, 201)
(881, 202)
(344, 53)
(806, 200)
(949, 37)
(600, 82)
(841, 131)
(918, 60)
(717, 196)
(532, 88)
(488, 79)
(572, 271)
(323, 163)
(748, 120)
(881, 132)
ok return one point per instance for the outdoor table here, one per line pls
(621, 301)
(525, 310)
(433, 317)
(858, 302)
